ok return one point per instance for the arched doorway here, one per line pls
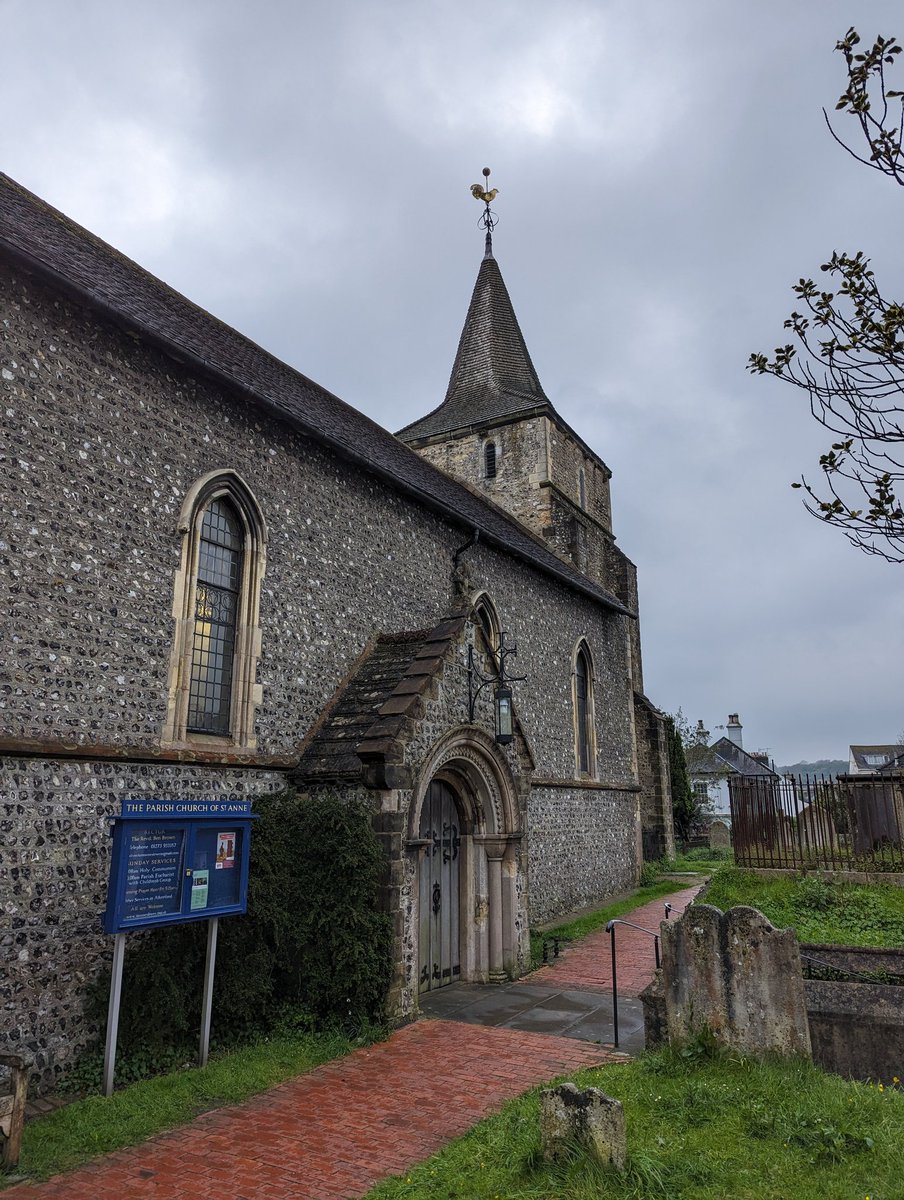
(439, 891)
(465, 830)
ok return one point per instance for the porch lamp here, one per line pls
(501, 683)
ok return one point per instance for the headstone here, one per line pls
(736, 975)
(719, 835)
(586, 1117)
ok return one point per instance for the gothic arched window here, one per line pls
(489, 460)
(213, 689)
(487, 622)
(584, 740)
(217, 593)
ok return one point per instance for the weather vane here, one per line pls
(488, 218)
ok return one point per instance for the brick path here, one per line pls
(337, 1131)
(588, 964)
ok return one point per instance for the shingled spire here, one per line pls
(492, 376)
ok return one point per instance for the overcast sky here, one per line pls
(301, 169)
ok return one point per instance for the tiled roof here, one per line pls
(723, 756)
(43, 240)
(367, 720)
(888, 753)
(492, 376)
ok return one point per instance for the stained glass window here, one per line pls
(216, 610)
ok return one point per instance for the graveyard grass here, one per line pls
(699, 1125)
(819, 907)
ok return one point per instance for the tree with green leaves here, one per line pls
(848, 353)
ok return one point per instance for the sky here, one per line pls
(302, 170)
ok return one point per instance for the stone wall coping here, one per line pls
(212, 757)
(587, 785)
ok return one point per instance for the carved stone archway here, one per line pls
(491, 883)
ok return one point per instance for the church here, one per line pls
(219, 578)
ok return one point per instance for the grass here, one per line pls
(698, 1128)
(70, 1136)
(819, 908)
(701, 859)
(598, 919)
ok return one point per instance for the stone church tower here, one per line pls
(498, 432)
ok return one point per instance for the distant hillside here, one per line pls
(823, 766)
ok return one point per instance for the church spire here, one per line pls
(492, 376)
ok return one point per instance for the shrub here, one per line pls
(313, 949)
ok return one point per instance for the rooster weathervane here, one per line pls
(488, 219)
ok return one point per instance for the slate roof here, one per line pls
(367, 719)
(44, 241)
(890, 753)
(724, 755)
(492, 376)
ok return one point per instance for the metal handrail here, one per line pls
(610, 929)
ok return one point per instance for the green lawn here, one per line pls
(820, 909)
(698, 1129)
(96, 1125)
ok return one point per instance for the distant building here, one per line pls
(869, 760)
(710, 767)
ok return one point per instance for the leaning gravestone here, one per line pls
(736, 975)
(586, 1117)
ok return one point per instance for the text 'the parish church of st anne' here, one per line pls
(154, 463)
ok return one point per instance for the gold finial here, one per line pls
(487, 218)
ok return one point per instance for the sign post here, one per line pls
(119, 950)
(210, 963)
(174, 861)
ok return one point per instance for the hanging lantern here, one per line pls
(503, 715)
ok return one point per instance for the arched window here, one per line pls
(217, 589)
(584, 741)
(489, 460)
(487, 622)
(582, 489)
(213, 690)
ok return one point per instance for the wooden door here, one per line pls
(439, 954)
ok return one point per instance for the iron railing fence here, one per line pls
(808, 821)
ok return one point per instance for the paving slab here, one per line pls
(540, 1008)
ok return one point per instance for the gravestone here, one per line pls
(572, 1116)
(736, 975)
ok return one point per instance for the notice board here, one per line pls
(178, 860)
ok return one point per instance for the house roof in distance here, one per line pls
(726, 755)
(47, 243)
(874, 758)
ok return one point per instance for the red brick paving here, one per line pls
(588, 964)
(337, 1131)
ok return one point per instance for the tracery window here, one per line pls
(213, 689)
(585, 748)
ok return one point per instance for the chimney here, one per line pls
(733, 730)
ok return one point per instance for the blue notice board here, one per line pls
(178, 860)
